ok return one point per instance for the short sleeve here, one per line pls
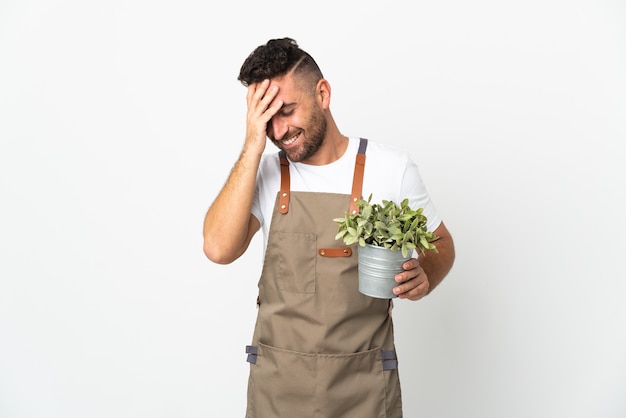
(256, 205)
(414, 188)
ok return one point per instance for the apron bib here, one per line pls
(320, 348)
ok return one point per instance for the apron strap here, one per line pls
(390, 362)
(283, 200)
(252, 352)
(357, 180)
(335, 252)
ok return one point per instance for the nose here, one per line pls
(277, 128)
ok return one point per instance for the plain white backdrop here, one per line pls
(120, 120)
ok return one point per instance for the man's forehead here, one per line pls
(288, 90)
(284, 81)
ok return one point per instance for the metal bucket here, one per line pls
(377, 268)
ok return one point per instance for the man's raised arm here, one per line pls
(229, 225)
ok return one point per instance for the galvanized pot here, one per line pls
(377, 268)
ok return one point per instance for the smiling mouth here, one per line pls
(289, 141)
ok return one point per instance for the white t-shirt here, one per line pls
(390, 174)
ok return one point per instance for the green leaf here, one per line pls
(366, 212)
(380, 225)
(388, 225)
(351, 239)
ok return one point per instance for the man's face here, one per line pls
(299, 127)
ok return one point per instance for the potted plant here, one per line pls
(387, 235)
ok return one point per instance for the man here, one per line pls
(320, 348)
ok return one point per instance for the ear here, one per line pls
(322, 93)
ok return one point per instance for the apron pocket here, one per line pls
(282, 384)
(286, 383)
(354, 385)
(296, 260)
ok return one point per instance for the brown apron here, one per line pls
(320, 348)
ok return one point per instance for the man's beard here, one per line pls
(316, 128)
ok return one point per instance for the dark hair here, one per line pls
(277, 58)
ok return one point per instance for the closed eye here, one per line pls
(287, 109)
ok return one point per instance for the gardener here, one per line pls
(320, 348)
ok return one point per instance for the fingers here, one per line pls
(262, 106)
(412, 290)
(259, 98)
(414, 281)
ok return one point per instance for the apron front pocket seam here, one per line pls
(297, 274)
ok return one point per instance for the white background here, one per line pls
(120, 120)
